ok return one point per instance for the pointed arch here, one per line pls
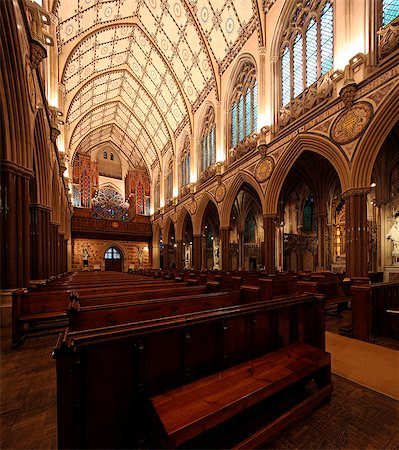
(370, 144)
(183, 214)
(197, 222)
(301, 143)
(234, 189)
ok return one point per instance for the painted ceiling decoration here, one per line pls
(155, 60)
(118, 113)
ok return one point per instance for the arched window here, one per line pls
(169, 180)
(249, 228)
(308, 214)
(389, 11)
(105, 155)
(307, 47)
(208, 140)
(111, 156)
(157, 194)
(112, 253)
(244, 104)
(185, 163)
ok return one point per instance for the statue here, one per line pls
(85, 258)
(393, 234)
(140, 258)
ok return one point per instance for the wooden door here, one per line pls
(113, 260)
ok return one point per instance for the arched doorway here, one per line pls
(113, 259)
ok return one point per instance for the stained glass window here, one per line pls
(248, 112)
(169, 180)
(298, 64)
(208, 140)
(234, 125)
(185, 163)
(309, 34)
(111, 156)
(108, 203)
(327, 38)
(390, 10)
(308, 214)
(286, 76)
(105, 155)
(249, 228)
(255, 106)
(244, 104)
(311, 53)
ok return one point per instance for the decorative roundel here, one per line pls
(164, 44)
(119, 59)
(204, 14)
(115, 225)
(190, 90)
(69, 30)
(350, 124)
(220, 193)
(177, 9)
(72, 68)
(205, 65)
(185, 54)
(153, 4)
(230, 25)
(193, 207)
(108, 12)
(104, 50)
(264, 169)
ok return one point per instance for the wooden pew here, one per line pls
(86, 317)
(116, 374)
(371, 304)
(47, 308)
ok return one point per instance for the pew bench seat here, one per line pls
(190, 410)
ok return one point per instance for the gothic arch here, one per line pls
(167, 230)
(234, 189)
(181, 221)
(372, 140)
(301, 143)
(242, 59)
(197, 222)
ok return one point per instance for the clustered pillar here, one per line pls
(356, 232)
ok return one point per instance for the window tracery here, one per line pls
(108, 203)
(208, 140)
(307, 47)
(389, 11)
(244, 105)
(185, 163)
(169, 180)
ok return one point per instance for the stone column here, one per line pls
(269, 226)
(225, 241)
(197, 251)
(357, 238)
(14, 226)
(321, 241)
(179, 255)
(166, 257)
(39, 241)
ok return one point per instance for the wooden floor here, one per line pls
(356, 417)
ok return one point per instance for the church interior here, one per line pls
(200, 223)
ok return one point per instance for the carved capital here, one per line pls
(37, 53)
(355, 191)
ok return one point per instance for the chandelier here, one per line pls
(108, 203)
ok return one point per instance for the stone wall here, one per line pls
(97, 247)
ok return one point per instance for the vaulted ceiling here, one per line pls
(135, 71)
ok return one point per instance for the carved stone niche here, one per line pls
(207, 174)
(388, 38)
(249, 143)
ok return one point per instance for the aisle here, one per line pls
(370, 365)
